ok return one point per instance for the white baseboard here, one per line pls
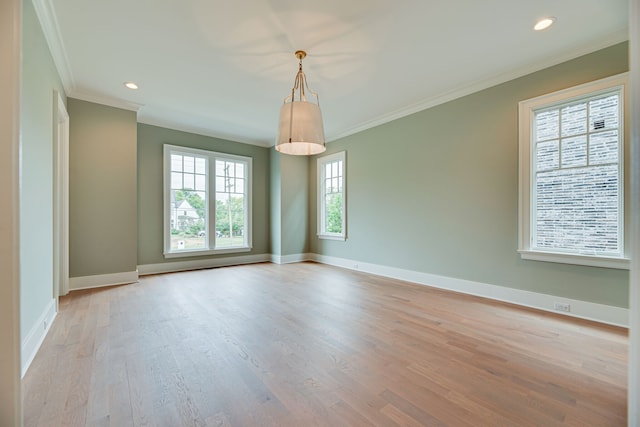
(172, 267)
(102, 280)
(602, 313)
(32, 342)
(289, 259)
(582, 309)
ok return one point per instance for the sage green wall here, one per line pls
(290, 204)
(102, 189)
(437, 191)
(276, 206)
(150, 142)
(295, 204)
(39, 81)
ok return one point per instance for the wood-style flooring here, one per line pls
(313, 345)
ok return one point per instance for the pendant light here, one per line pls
(300, 132)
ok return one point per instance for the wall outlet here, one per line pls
(45, 325)
(356, 266)
(561, 306)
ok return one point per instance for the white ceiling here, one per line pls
(223, 68)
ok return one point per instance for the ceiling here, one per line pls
(223, 68)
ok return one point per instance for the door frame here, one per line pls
(60, 198)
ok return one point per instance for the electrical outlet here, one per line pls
(45, 325)
(561, 306)
(356, 266)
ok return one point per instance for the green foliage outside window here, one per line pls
(230, 217)
(334, 213)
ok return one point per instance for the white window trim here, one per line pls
(212, 156)
(525, 210)
(320, 168)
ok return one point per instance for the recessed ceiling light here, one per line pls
(131, 85)
(544, 23)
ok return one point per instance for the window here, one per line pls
(332, 197)
(572, 175)
(207, 202)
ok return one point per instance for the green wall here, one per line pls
(289, 204)
(102, 189)
(39, 81)
(437, 191)
(150, 198)
(276, 206)
(295, 204)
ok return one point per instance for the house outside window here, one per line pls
(572, 195)
(207, 202)
(332, 197)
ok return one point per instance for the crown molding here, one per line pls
(49, 23)
(479, 85)
(104, 100)
(174, 125)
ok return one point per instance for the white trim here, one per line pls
(205, 252)
(633, 395)
(104, 100)
(198, 130)
(526, 184)
(477, 86)
(34, 339)
(340, 156)
(577, 92)
(581, 309)
(210, 190)
(290, 259)
(49, 23)
(61, 197)
(172, 267)
(591, 261)
(331, 236)
(102, 280)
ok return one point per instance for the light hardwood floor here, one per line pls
(313, 345)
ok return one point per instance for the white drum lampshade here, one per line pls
(301, 131)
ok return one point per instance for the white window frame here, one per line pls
(323, 234)
(526, 111)
(212, 156)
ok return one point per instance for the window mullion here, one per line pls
(211, 200)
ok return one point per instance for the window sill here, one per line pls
(591, 261)
(340, 237)
(204, 252)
